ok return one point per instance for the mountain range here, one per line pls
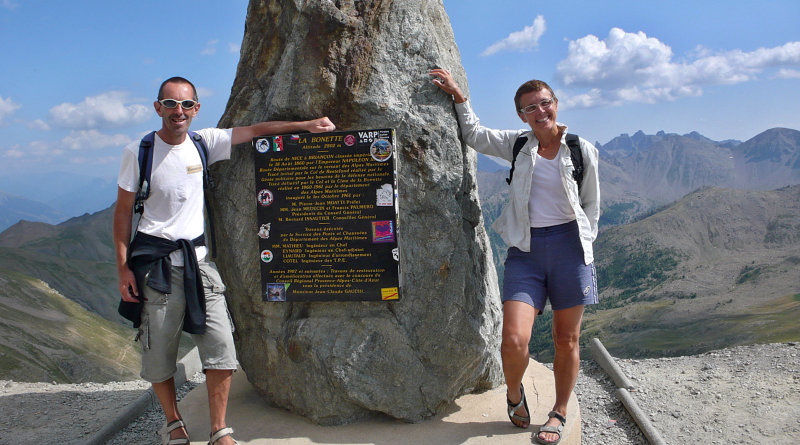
(58, 294)
(699, 248)
(652, 250)
(52, 197)
(75, 257)
(720, 267)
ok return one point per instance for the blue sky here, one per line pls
(79, 78)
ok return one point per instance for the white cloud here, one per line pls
(38, 149)
(632, 67)
(788, 74)
(90, 160)
(524, 40)
(203, 92)
(39, 125)
(102, 111)
(234, 48)
(78, 144)
(93, 139)
(10, 5)
(14, 152)
(210, 49)
(7, 108)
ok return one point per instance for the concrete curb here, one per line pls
(608, 364)
(652, 434)
(188, 366)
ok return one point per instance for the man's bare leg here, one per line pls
(165, 391)
(218, 382)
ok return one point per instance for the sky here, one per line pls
(79, 78)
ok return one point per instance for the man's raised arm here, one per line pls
(245, 134)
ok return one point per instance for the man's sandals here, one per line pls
(512, 410)
(170, 427)
(552, 429)
(227, 431)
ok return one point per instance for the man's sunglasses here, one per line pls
(187, 104)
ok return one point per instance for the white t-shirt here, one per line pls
(548, 204)
(174, 209)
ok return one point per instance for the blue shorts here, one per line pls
(554, 269)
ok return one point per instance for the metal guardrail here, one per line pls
(602, 357)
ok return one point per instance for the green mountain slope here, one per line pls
(75, 257)
(46, 337)
(716, 269)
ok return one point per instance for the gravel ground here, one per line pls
(746, 394)
(731, 396)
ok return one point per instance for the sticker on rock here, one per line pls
(262, 145)
(382, 232)
(275, 292)
(265, 197)
(380, 150)
(263, 231)
(389, 293)
(385, 195)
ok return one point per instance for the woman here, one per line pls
(549, 223)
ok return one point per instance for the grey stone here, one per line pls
(364, 64)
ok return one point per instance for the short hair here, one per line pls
(177, 79)
(527, 87)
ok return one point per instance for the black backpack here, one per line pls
(574, 152)
(146, 169)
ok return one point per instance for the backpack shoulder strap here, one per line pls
(208, 184)
(518, 144)
(201, 147)
(574, 144)
(145, 170)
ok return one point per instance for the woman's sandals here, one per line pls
(552, 429)
(227, 431)
(512, 410)
(170, 427)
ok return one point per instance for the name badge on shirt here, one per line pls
(194, 169)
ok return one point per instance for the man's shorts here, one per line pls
(554, 269)
(162, 323)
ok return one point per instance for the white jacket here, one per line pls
(513, 225)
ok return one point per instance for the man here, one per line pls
(164, 269)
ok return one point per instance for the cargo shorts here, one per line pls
(162, 324)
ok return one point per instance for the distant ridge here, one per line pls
(75, 257)
(698, 246)
(14, 208)
(719, 266)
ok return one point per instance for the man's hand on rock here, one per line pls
(320, 125)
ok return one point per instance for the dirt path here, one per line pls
(738, 395)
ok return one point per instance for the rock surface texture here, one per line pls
(364, 64)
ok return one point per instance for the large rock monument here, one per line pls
(364, 64)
